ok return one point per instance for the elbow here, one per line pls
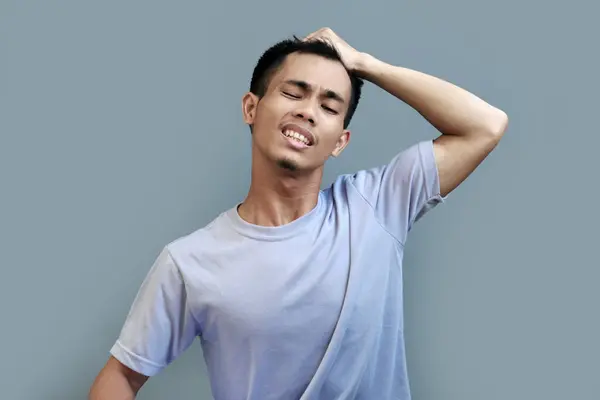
(490, 127)
(497, 124)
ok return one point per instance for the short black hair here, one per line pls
(274, 56)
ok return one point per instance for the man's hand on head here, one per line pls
(350, 56)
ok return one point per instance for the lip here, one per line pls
(301, 130)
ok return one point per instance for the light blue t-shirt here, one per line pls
(310, 310)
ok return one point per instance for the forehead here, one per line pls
(318, 71)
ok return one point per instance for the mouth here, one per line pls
(298, 135)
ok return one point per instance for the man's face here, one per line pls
(299, 122)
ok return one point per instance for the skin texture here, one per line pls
(116, 382)
(298, 94)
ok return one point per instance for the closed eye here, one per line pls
(291, 95)
(294, 96)
(330, 110)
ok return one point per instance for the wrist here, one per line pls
(364, 65)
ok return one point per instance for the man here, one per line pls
(296, 293)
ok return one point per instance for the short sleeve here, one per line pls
(160, 326)
(403, 190)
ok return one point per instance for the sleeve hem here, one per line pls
(430, 169)
(134, 361)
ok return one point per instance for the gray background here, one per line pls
(121, 130)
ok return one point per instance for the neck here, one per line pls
(278, 196)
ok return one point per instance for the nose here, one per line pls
(305, 117)
(306, 113)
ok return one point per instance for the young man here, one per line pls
(296, 293)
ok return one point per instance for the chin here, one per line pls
(288, 164)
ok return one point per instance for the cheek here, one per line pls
(270, 113)
(329, 141)
(331, 128)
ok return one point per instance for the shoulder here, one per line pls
(398, 191)
(407, 169)
(193, 245)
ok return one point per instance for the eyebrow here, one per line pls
(330, 94)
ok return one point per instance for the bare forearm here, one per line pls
(449, 108)
(113, 384)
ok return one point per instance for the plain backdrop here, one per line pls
(121, 130)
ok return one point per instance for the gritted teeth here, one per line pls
(296, 136)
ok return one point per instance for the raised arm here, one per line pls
(470, 127)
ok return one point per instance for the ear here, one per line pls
(341, 143)
(249, 105)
